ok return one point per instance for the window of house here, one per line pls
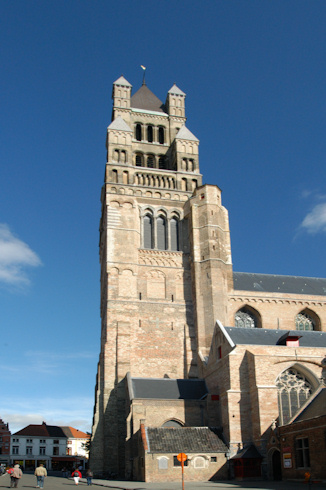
(56, 441)
(55, 451)
(293, 391)
(213, 459)
(15, 440)
(42, 451)
(161, 135)
(148, 232)
(302, 452)
(244, 319)
(138, 132)
(15, 450)
(150, 161)
(304, 322)
(178, 463)
(174, 232)
(199, 462)
(29, 440)
(150, 134)
(29, 450)
(42, 441)
(139, 160)
(162, 463)
(161, 233)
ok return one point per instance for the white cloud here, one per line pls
(15, 255)
(315, 221)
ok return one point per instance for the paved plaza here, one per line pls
(59, 483)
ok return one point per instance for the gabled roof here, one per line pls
(270, 283)
(70, 432)
(185, 134)
(185, 439)
(42, 430)
(315, 407)
(167, 389)
(122, 81)
(176, 91)
(120, 124)
(262, 336)
(146, 100)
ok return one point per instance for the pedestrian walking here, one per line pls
(16, 476)
(89, 476)
(76, 474)
(40, 474)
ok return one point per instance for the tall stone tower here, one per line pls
(165, 258)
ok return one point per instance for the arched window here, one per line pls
(161, 162)
(148, 231)
(175, 424)
(138, 132)
(293, 390)
(139, 160)
(150, 134)
(161, 135)
(174, 232)
(304, 322)
(161, 233)
(150, 161)
(245, 319)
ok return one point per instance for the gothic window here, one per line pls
(172, 423)
(244, 319)
(148, 232)
(161, 135)
(304, 322)
(139, 160)
(174, 232)
(150, 161)
(161, 233)
(150, 134)
(138, 132)
(293, 391)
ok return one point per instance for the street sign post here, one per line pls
(182, 457)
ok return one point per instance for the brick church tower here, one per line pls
(165, 259)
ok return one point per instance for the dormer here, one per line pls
(289, 339)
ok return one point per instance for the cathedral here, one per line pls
(195, 358)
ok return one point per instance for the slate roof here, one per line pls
(167, 389)
(122, 81)
(42, 430)
(176, 90)
(145, 99)
(262, 336)
(120, 124)
(185, 439)
(269, 283)
(185, 134)
(315, 408)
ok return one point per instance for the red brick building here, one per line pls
(4, 442)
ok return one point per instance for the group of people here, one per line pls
(16, 473)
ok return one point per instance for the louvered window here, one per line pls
(138, 132)
(161, 162)
(161, 135)
(161, 233)
(150, 134)
(174, 230)
(139, 160)
(150, 161)
(148, 232)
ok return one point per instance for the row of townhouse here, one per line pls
(55, 447)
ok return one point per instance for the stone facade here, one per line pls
(166, 277)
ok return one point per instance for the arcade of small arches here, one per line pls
(150, 133)
(247, 317)
(160, 230)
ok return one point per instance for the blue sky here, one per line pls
(254, 73)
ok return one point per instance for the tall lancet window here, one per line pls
(148, 231)
(161, 233)
(174, 231)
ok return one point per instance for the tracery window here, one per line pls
(244, 319)
(293, 391)
(304, 322)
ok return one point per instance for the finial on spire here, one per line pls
(144, 68)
